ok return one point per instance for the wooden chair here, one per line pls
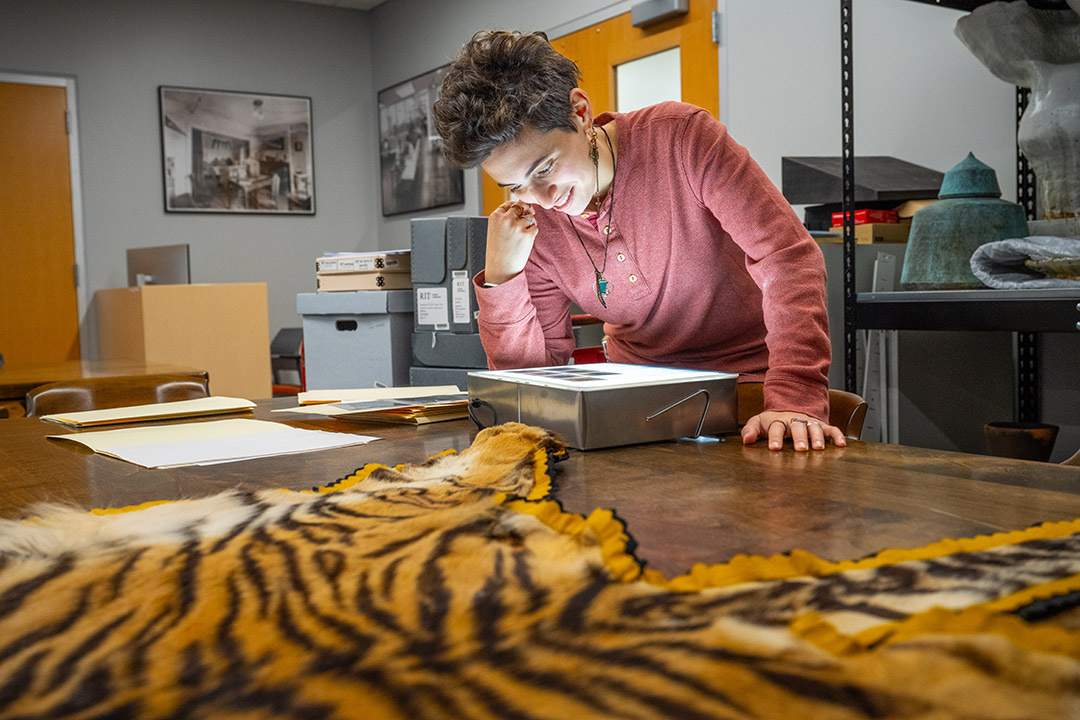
(846, 410)
(109, 392)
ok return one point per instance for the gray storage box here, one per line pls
(446, 254)
(608, 404)
(420, 376)
(447, 349)
(356, 339)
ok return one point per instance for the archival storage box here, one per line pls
(447, 349)
(356, 339)
(353, 281)
(423, 375)
(389, 261)
(446, 254)
(608, 404)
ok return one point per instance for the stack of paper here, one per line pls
(158, 411)
(411, 405)
(205, 443)
(410, 411)
(316, 397)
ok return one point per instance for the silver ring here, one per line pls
(804, 422)
(813, 422)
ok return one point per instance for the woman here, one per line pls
(655, 221)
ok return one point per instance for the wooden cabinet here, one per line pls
(221, 328)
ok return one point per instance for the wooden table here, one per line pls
(16, 381)
(682, 501)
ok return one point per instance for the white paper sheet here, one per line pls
(210, 442)
(214, 405)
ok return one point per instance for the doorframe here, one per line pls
(75, 171)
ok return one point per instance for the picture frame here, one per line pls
(224, 151)
(414, 173)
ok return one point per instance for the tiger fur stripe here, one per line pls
(454, 589)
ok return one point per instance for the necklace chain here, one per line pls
(602, 284)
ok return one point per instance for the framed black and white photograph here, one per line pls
(236, 152)
(415, 175)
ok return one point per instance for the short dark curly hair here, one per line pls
(501, 83)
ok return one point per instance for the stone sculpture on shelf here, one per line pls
(1040, 50)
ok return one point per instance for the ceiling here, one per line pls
(350, 4)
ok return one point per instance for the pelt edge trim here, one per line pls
(986, 618)
(608, 530)
(990, 618)
(798, 563)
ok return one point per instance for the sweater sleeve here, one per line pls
(524, 322)
(781, 257)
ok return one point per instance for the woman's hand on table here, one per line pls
(805, 432)
(510, 235)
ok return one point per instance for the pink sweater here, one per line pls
(709, 267)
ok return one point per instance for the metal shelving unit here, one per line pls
(1025, 313)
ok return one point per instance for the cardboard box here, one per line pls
(447, 349)
(391, 261)
(446, 254)
(909, 208)
(222, 328)
(356, 339)
(352, 281)
(867, 215)
(609, 404)
(874, 233)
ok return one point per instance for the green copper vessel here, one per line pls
(969, 213)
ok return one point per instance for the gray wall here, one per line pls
(120, 51)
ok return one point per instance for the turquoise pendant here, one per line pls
(601, 287)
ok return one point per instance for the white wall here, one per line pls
(919, 94)
(120, 51)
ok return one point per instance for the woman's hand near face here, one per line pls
(510, 235)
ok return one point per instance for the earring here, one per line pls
(594, 153)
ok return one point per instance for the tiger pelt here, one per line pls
(450, 589)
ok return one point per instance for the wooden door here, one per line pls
(39, 316)
(599, 49)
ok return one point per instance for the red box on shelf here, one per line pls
(863, 217)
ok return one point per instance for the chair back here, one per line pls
(110, 392)
(847, 411)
